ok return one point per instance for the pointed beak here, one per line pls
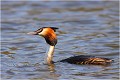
(33, 33)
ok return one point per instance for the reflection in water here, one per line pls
(88, 28)
(8, 54)
(51, 67)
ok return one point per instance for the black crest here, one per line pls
(53, 28)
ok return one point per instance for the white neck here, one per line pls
(50, 54)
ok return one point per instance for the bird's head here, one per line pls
(48, 33)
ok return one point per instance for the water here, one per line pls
(85, 27)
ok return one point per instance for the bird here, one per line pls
(48, 33)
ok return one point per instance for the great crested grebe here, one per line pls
(49, 34)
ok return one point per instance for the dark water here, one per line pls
(85, 27)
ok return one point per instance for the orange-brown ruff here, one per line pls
(49, 34)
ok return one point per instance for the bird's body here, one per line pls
(49, 34)
(87, 59)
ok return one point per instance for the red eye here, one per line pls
(39, 30)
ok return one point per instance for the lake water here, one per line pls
(85, 28)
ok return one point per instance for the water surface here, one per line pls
(85, 28)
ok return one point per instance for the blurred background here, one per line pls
(85, 28)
